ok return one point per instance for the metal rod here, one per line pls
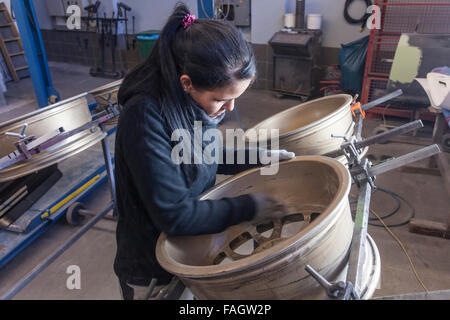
(42, 110)
(389, 134)
(404, 160)
(44, 264)
(357, 249)
(319, 278)
(150, 289)
(381, 100)
(14, 158)
(415, 4)
(109, 168)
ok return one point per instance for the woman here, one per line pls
(194, 73)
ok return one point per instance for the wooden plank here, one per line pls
(429, 228)
(8, 60)
(11, 39)
(21, 68)
(17, 53)
(7, 56)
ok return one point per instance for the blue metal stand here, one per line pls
(35, 52)
(205, 9)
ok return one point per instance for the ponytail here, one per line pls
(213, 54)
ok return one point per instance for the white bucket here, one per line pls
(289, 20)
(314, 21)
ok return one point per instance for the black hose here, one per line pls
(350, 19)
(397, 198)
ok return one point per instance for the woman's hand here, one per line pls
(267, 208)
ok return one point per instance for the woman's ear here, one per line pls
(186, 83)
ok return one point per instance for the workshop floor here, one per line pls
(94, 252)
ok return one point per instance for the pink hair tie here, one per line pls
(188, 20)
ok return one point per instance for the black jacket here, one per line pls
(154, 194)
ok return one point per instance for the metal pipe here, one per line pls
(35, 54)
(415, 4)
(300, 14)
(359, 121)
(109, 168)
(404, 160)
(61, 249)
(357, 249)
(382, 137)
(378, 101)
(150, 289)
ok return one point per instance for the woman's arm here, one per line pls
(161, 185)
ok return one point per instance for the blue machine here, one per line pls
(35, 52)
(205, 9)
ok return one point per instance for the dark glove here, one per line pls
(267, 208)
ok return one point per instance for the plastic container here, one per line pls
(314, 21)
(289, 20)
(146, 41)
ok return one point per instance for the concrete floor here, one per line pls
(94, 252)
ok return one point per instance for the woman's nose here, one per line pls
(229, 106)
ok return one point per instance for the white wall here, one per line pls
(153, 14)
(44, 20)
(267, 18)
(150, 14)
(336, 30)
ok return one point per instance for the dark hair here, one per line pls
(212, 53)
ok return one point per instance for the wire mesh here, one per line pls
(397, 17)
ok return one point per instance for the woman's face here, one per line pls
(216, 102)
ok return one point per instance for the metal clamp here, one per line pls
(20, 135)
(360, 173)
(349, 148)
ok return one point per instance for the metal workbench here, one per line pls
(82, 174)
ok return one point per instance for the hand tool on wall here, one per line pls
(92, 10)
(134, 32)
(122, 12)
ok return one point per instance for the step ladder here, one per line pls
(11, 46)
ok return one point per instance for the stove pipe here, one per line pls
(300, 14)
